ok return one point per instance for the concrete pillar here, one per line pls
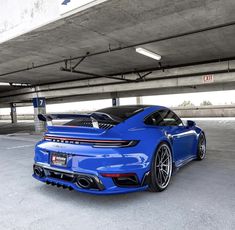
(115, 101)
(139, 100)
(13, 114)
(39, 105)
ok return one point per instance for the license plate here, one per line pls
(58, 159)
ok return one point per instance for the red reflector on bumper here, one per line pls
(116, 175)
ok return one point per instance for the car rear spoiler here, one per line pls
(95, 116)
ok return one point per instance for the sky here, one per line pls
(216, 98)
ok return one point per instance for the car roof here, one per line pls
(126, 111)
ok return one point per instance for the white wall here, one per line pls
(77, 5)
(19, 17)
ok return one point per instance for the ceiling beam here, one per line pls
(191, 82)
(220, 67)
(94, 75)
(109, 49)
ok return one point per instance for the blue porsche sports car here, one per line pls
(116, 150)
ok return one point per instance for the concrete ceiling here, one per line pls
(120, 23)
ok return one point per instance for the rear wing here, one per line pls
(95, 118)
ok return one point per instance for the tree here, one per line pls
(206, 103)
(186, 104)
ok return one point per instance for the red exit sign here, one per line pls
(208, 78)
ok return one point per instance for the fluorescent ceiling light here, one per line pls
(148, 53)
(15, 84)
(4, 84)
(20, 84)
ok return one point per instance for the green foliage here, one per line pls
(186, 104)
(206, 103)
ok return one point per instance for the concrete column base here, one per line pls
(39, 108)
(13, 114)
(139, 100)
(115, 101)
(40, 126)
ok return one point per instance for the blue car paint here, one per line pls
(137, 159)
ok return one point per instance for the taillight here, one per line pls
(115, 144)
(123, 179)
(94, 143)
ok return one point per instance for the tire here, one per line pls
(201, 148)
(161, 168)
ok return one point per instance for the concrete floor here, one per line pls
(201, 195)
(21, 127)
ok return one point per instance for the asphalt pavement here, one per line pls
(201, 195)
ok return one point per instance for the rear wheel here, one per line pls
(201, 149)
(161, 169)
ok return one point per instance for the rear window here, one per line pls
(163, 118)
(122, 112)
(115, 116)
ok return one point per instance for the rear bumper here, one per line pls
(100, 185)
(94, 164)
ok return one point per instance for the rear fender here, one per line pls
(168, 142)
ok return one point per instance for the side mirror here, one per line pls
(191, 123)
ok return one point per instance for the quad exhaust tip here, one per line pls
(84, 182)
(38, 171)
